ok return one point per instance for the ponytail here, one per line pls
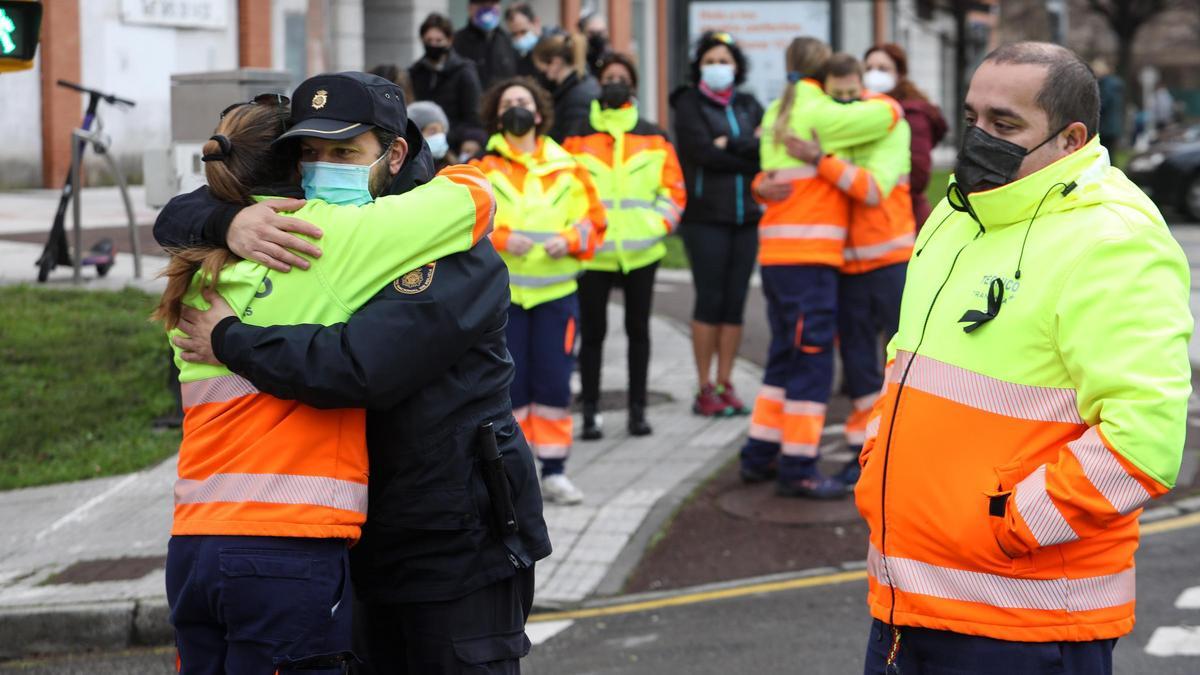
(179, 273)
(237, 159)
(806, 58)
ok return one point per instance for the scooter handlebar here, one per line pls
(111, 98)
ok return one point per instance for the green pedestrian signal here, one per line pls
(20, 25)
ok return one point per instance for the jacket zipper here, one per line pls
(892, 425)
(736, 131)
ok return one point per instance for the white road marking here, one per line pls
(80, 512)
(1189, 599)
(1178, 640)
(544, 630)
(1174, 641)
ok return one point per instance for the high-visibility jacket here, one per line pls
(542, 195)
(639, 181)
(809, 226)
(1005, 467)
(875, 177)
(253, 464)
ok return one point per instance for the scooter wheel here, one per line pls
(102, 270)
(45, 264)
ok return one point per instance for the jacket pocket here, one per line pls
(1007, 477)
(494, 648)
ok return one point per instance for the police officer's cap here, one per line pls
(338, 106)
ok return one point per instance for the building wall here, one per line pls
(20, 110)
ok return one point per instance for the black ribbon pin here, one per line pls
(995, 300)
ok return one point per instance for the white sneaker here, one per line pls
(558, 489)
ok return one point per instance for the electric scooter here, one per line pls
(103, 253)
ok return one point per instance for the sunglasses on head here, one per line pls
(262, 99)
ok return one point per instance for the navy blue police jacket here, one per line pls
(430, 367)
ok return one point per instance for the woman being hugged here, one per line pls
(640, 184)
(271, 492)
(548, 221)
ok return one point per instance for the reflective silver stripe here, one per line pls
(846, 180)
(761, 432)
(636, 204)
(904, 180)
(540, 282)
(272, 488)
(630, 244)
(794, 173)
(803, 408)
(802, 232)
(771, 393)
(971, 389)
(1038, 511)
(1061, 594)
(549, 450)
(872, 198)
(584, 228)
(549, 412)
(798, 449)
(606, 203)
(537, 237)
(1106, 474)
(865, 402)
(872, 429)
(215, 390)
(875, 250)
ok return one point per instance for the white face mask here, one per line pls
(437, 145)
(718, 76)
(879, 81)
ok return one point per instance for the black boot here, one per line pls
(637, 421)
(591, 423)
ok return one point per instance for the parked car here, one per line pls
(1169, 170)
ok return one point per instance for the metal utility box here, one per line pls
(197, 99)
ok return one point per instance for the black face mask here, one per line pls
(845, 101)
(435, 53)
(597, 43)
(615, 94)
(517, 121)
(986, 162)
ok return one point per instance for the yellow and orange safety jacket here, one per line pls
(1035, 399)
(809, 226)
(541, 195)
(253, 464)
(639, 181)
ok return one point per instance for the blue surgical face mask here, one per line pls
(438, 146)
(343, 184)
(525, 43)
(718, 76)
(486, 18)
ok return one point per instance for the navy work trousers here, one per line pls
(260, 605)
(868, 307)
(937, 652)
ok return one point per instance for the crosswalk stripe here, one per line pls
(1189, 599)
(1174, 641)
(542, 631)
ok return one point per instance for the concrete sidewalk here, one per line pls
(81, 563)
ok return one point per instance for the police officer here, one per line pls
(445, 566)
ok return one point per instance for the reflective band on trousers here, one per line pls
(273, 488)
(215, 390)
(539, 282)
(1062, 594)
(630, 244)
(802, 232)
(962, 386)
(874, 250)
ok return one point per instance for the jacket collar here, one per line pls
(548, 157)
(1019, 200)
(613, 121)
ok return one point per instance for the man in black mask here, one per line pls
(595, 29)
(1036, 397)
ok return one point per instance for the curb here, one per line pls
(70, 628)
